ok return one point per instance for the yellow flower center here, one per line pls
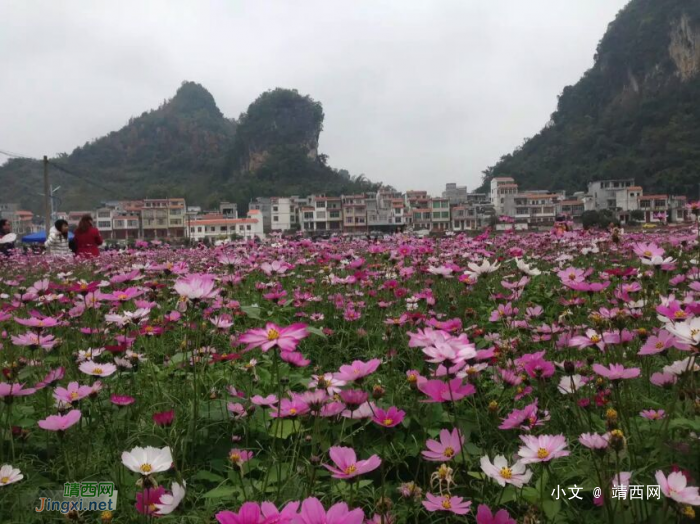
(446, 503)
(449, 452)
(679, 314)
(152, 507)
(659, 345)
(388, 422)
(149, 329)
(595, 339)
(542, 453)
(647, 253)
(83, 286)
(293, 411)
(146, 468)
(688, 511)
(412, 378)
(4, 480)
(97, 371)
(507, 473)
(273, 334)
(123, 296)
(74, 395)
(572, 276)
(235, 457)
(350, 469)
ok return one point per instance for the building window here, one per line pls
(275, 218)
(248, 227)
(222, 228)
(275, 209)
(199, 229)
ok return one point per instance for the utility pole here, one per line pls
(47, 197)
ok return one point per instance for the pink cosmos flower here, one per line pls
(164, 418)
(40, 323)
(518, 416)
(276, 267)
(357, 370)
(327, 382)
(616, 371)
(290, 408)
(267, 401)
(653, 414)
(592, 338)
(388, 418)
(249, 513)
(439, 391)
(594, 441)
(90, 367)
(347, 465)
(294, 358)
(239, 457)
(286, 338)
(34, 340)
(484, 515)
(661, 342)
(676, 487)
(15, 390)
(60, 422)
(51, 377)
(449, 445)
(121, 400)
(272, 515)
(542, 449)
(663, 380)
(197, 286)
(456, 505)
(312, 512)
(73, 393)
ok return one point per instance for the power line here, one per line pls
(83, 177)
(15, 155)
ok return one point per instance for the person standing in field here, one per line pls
(57, 243)
(87, 238)
(7, 237)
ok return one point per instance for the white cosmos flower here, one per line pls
(687, 331)
(517, 474)
(681, 366)
(526, 268)
(568, 385)
(658, 261)
(169, 502)
(8, 475)
(481, 269)
(148, 460)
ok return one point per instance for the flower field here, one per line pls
(540, 377)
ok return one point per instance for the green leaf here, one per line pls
(252, 311)
(551, 507)
(208, 475)
(316, 331)
(222, 492)
(284, 428)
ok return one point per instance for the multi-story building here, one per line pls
(264, 205)
(228, 209)
(354, 209)
(663, 208)
(321, 214)
(533, 208)
(284, 213)
(74, 217)
(421, 219)
(455, 194)
(502, 187)
(440, 210)
(571, 208)
(604, 195)
(464, 218)
(102, 219)
(21, 220)
(126, 225)
(163, 218)
(217, 227)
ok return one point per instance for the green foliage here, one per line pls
(188, 148)
(631, 115)
(601, 219)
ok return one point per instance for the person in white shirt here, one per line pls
(57, 243)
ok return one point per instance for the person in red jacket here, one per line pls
(87, 238)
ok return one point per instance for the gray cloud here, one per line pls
(416, 93)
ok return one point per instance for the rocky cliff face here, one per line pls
(684, 48)
(633, 114)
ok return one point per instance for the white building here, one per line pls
(501, 187)
(284, 213)
(218, 227)
(616, 195)
(455, 194)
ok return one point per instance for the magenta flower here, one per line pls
(290, 408)
(286, 338)
(661, 342)
(389, 418)
(147, 499)
(121, 400)
(51, 377)
(249, 513)
(357, 370)
(164, 418)
(73, 393)
(449, 445)
(354, 397)
(312, 512)
(439, 391)
(267, 401)
(676, 487)
(295, 359)
(272, 515)
(542, 449)
(484, 515)
(347, 465)
(40, 323)
(616, 371)
(60, 422)
(34, 340)
(456, 505)
(15, 390)
(239, 457)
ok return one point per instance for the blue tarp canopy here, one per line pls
(40, 237)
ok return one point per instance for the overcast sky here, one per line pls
(416, 93)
